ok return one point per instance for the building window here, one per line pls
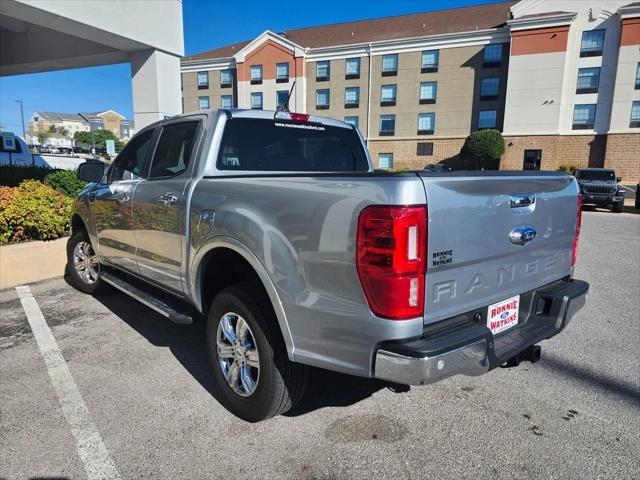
(256, 100)
(592, 43)
(352, 97)
(489, 88)
(323, 71)
(226, 101)
(425, 149)
(256, 74)
(426, 123)
(428, 92)
(203, 80)
(385, 161)
(352, 68)
(203, 103)
(388, 95)
(584, 117)
(638, 77)
(588, 80)
(282, 98)
(635, 115)
(282, 72)
(492, 55)
(387, 125)
(322, 99)
(355, 121)
(487, 119)
(225, 78)
(390, 65)
(532, 159)
(430, 59)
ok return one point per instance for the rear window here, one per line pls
(250, 144)
(596, 175)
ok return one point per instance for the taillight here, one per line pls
(299, 117)
(577, 233)
(391, 259)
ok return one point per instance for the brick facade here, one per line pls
(405, 155)
(578, 151)
(623, 155)
(618, 151)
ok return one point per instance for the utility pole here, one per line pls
(24, 133)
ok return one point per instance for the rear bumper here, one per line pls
(467, 347)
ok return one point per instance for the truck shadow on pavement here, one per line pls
(187, 344)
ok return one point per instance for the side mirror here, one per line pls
(618, 179)
(91, 171)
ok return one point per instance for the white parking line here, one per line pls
(91, 449)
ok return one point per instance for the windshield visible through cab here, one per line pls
(602, 175)
(250, 144)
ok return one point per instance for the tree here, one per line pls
(61, 130)
(484, 147)
(42, 137)
(97, 138)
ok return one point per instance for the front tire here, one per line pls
(617, 207)
(254, 378)
(83, 267)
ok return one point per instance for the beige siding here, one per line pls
(337, 84)
(190, 92)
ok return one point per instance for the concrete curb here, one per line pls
(31, 262)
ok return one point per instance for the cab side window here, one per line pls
(174, 150)
(130, 163)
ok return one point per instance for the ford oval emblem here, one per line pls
(522, 234)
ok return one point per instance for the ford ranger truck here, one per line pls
(275, 229)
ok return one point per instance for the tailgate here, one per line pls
(474, 220)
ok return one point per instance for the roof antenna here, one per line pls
(285, 107)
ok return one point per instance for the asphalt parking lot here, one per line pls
(145, 384)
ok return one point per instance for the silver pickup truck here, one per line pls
(275, 228)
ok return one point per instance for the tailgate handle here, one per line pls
(519, 200)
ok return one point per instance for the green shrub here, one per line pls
(33, 211)
(66, 182)
(485, 147)
(566, 168)
(12, 176)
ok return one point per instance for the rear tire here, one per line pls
(254, 378)
(617, 207)
(83, 267)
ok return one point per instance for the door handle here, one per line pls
(122, 197)
(168, 198)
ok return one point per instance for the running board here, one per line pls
(146, 298)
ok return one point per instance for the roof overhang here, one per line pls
(528, 22)
(630, 11)
(264, 37)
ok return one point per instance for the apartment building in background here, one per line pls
(559, 78)
(84, 121)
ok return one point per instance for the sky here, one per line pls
(208, 24)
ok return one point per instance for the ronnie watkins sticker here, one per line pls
(503, 315)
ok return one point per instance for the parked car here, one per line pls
(599, 187)
(276, 229)
(637, 203)
(20, 154)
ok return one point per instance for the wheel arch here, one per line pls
(238, 264)
(77, 224)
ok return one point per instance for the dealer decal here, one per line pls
(442, 258)
(503, 315)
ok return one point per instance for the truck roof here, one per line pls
(264, 114)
